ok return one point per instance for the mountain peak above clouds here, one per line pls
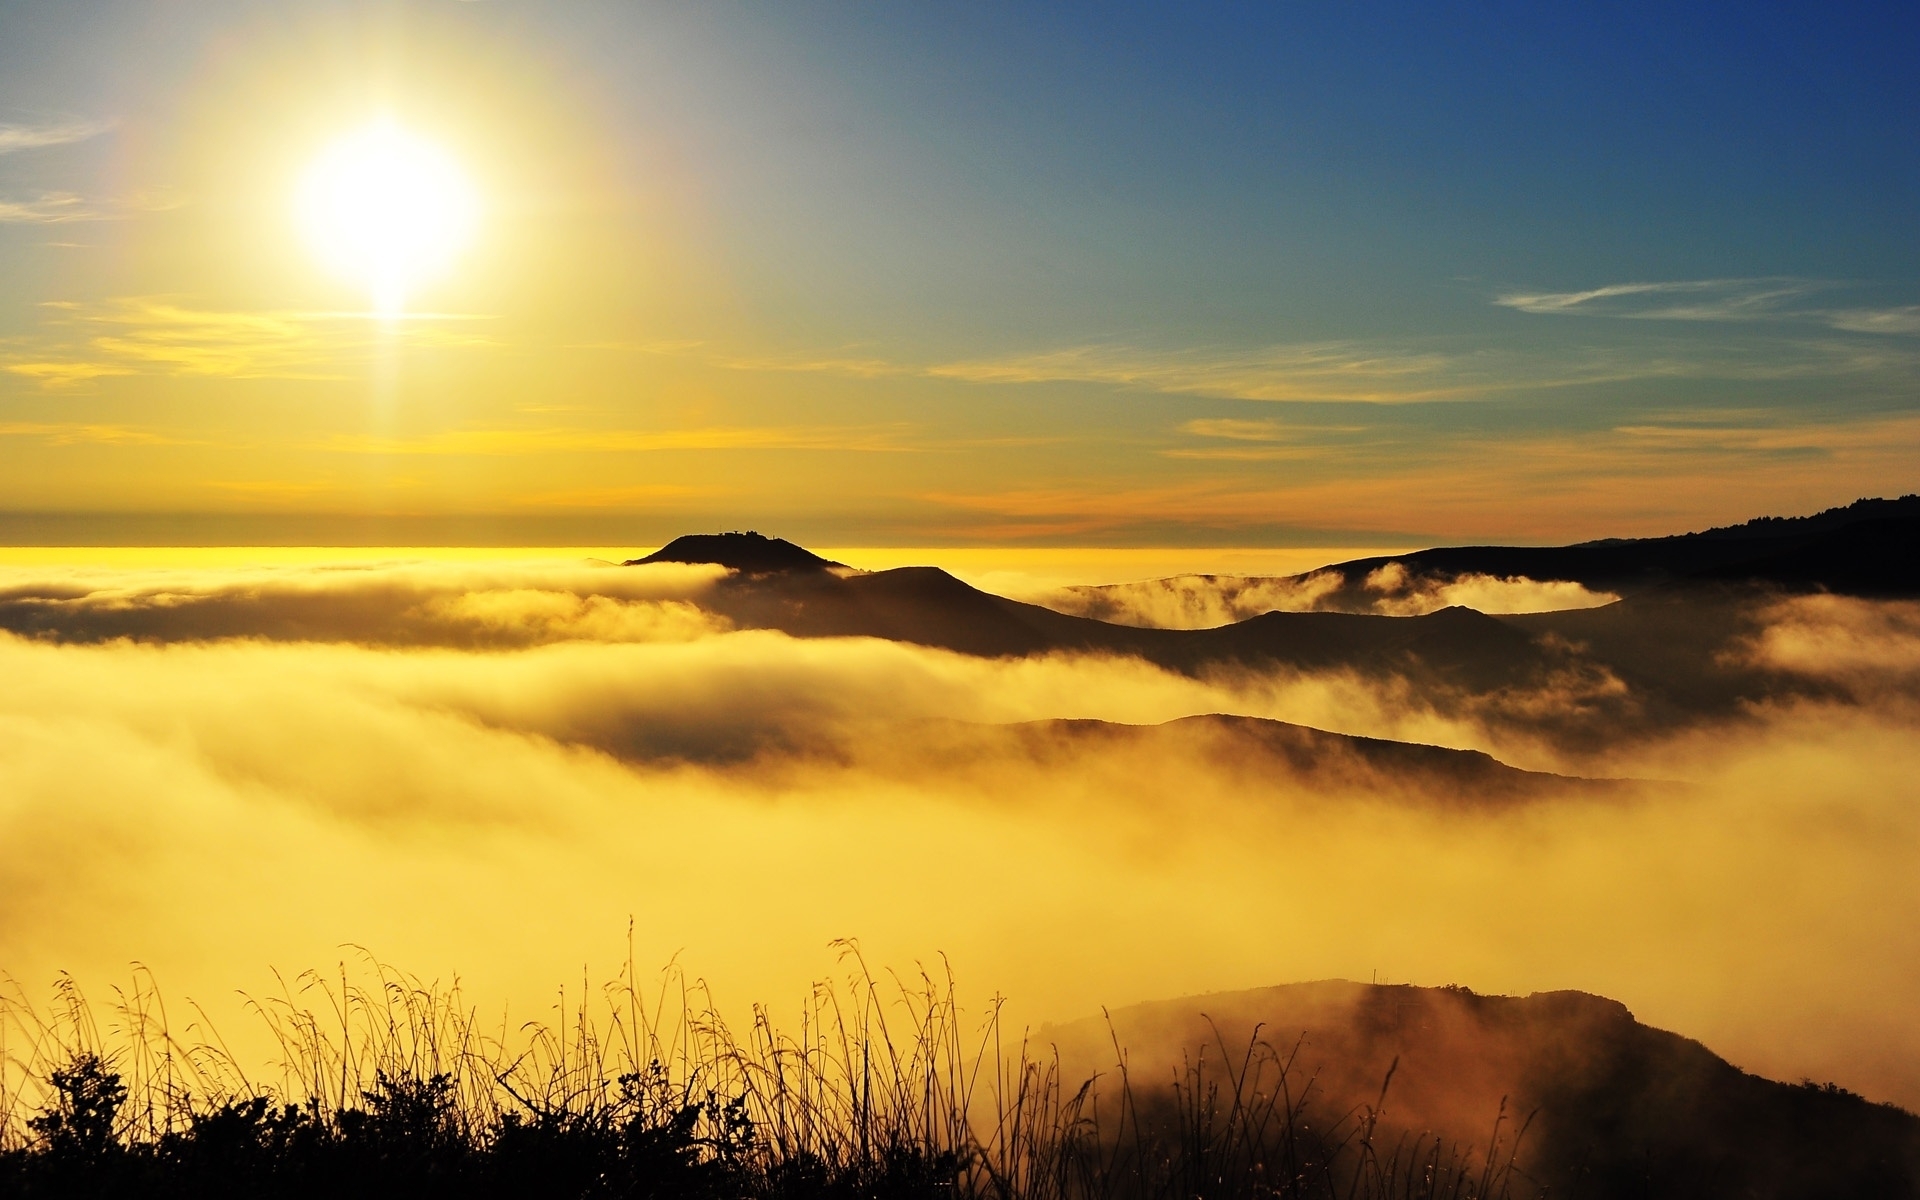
(750, 553)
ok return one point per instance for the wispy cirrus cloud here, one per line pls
(826, 364)
(1331, 371)
(71, 208)
(1242, 452)
(1644, 476)
(1756, 438)
(15, 138)
(63, 373)
(1256, 440)
(1386, 372)
(50, 208)
(171, 338)
(57, 433)
(164, 335)
(497, 442)
(1377, 373)
(1241, 430)
(1901, 319)
(1717, 300)
(63, 207)
(1679, 300)
(1235, 429)
(1321, 371)
(837, 361)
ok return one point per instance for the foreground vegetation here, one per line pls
(388, 1086)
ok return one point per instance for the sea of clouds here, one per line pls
(487, 769)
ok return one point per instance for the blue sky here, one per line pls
(1118, 272)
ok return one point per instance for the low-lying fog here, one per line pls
(486, 768)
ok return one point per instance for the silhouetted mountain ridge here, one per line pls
(1669, 651)
(1260, 753)
(1868, 548)
(1866, 509)
(1675, 651)
(929, 607)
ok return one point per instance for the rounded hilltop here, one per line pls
(749, 552)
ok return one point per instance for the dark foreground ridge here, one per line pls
(1616, 1108)
(1330, 1091)
(750, 553)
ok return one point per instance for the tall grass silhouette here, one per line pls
(385, 1084)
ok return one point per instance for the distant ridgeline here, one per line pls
(1868, 548)
(1674, 641)
(1906, 507)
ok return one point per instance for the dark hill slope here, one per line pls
(928, 607)
(1249, 757)
(1253, 756)
(1870, 548)
(1670, 654)
(1658, 660)
(1623, 1110)
(1875, 558)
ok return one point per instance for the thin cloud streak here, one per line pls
(1236, 430)
(1711, 300)
(1645, 477)
(163, 335)
(15, 138)
(1261, 441)
(69, 208)
(1254, 441)
(1350, 372)
(1682, 300)
(75, 434)
(68, 373)
(1324, 372)
(1359, 373)
(1902, 320)
(865, 439)
(1242, 453)
(51, 208)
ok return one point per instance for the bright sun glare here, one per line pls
(388, 210)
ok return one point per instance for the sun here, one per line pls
(388, 210)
